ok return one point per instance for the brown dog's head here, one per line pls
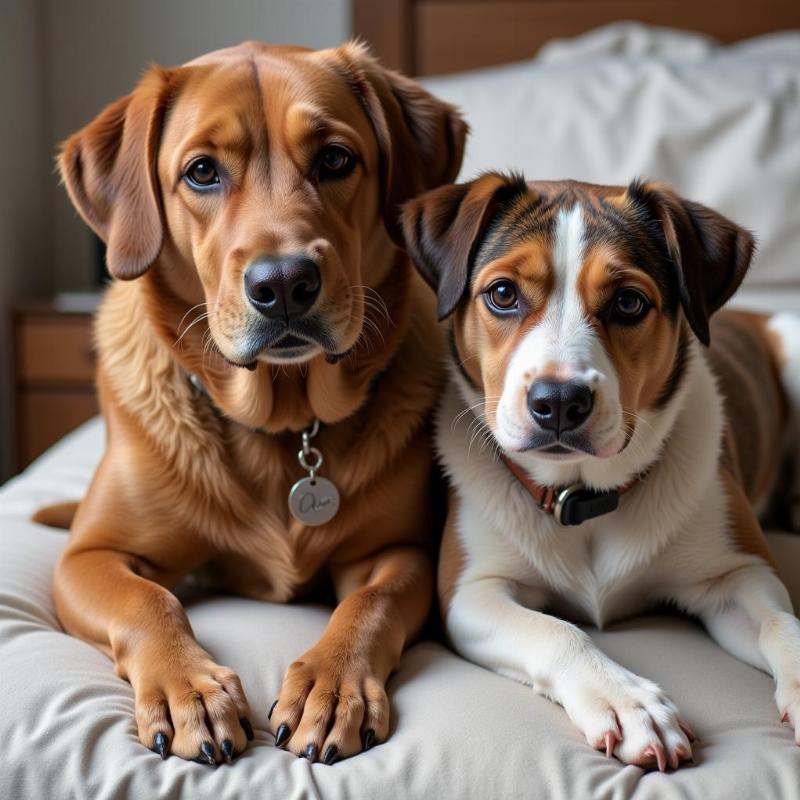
(569, 301)
(266, 182)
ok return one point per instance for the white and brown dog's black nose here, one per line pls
(560, 406)
(282, 288)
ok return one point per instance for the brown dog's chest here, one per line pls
(265, 552)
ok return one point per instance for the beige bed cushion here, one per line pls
(720, 123)
(66, 721)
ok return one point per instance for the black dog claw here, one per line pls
(271, 709)
(369, 738)
(207, 753)
(330, 754)
(310, 752)
(160, 744)
(227, 750)
(282, 735)
(247, 728)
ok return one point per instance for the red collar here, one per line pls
(574, 504)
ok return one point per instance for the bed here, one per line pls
(721, 121)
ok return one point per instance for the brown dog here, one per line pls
(253, 194)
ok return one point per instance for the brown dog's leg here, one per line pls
(185, 703)
(333, 700)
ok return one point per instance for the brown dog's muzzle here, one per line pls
(284, 291)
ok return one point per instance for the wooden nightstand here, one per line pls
(54, 368)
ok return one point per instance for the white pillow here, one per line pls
(720, 123)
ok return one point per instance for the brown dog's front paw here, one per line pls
(329, 708)
(194, 708)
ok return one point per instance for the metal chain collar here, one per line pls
(308, 450)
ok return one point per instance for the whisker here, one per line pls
(638, 418)
(199, 305)
(194, 322)
(464, 361)
(369, 326)
(375, 298)
(466, 410)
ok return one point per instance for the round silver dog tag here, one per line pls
(314, 501)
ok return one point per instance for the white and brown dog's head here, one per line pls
(570, 301)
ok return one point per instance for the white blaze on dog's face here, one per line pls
(567, 302)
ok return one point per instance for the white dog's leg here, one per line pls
(750, 614)
(617, 711)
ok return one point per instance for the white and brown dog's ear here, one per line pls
(421, 139)
(109, 169)
(444, 227)
(710, 253)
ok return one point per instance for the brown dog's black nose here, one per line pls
(560, 406)
(282, 288)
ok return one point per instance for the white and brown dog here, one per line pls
(579, 315)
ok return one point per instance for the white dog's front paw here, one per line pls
(780, 638)
(626, 715)
(787, 697)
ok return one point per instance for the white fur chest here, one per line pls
(593, 573)
(598, 581)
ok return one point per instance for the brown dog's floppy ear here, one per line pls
(444, 228)
(109, 169)
(710, 253)
(421, 139)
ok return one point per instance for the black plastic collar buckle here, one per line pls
(575, 504)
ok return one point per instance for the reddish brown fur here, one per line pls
(182, 484)
(745, 529)
(746, 363)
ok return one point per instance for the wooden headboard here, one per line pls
(428, 37)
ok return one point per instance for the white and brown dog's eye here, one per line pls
(336, 161)
(629, 305)
(202, 173)
(501, 297)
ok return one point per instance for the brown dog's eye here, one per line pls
(629, 306)
(202, 173)
(336, 161)
(501, 297)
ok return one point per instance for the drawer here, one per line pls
(56, 349)
(44, 417)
